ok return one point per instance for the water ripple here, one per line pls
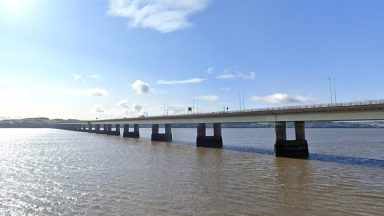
(53, 172)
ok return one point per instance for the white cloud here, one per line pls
(209, 70)
(98, 109)
(168, 109)
(141, 87)
(125, 114)
(176, 109)
(158, 91)
(137, 108)
(98, 92)
(76, 77)
(161, 15)
(226, 76)
(280, 98)
(247, 76)
(123, 104)
(94, 76)
(181, 82)
(212, 98)
(79, 77)
(225, 89)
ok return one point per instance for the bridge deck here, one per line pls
(372, 110)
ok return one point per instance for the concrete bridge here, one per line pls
(357, 111)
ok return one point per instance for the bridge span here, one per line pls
(356, 111)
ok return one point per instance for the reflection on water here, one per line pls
(53, 172)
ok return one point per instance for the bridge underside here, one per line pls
(297, 148)
(357, 111)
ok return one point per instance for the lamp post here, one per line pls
(330, 89)
(334, 88)
(239, 101)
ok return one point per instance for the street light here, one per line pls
(330, 89)
(334, 88)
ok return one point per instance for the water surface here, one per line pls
(55, 172)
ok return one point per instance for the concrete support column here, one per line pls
(168, 129)
(215, 141)
(300, 131)
(155, 129)
(165, 137)
(90, 126)
(97, 128)
(109, 129)
(84, 127)
(281, 131)
(201, 127)
(297, 148)
(117, 130)
(136, 128)
(217, 130)
(126, 130)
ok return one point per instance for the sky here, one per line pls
(93, 59)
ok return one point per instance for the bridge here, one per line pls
(354, 111)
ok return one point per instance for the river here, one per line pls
(57, 172)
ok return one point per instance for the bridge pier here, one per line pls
(90, 127)
(165, 137)
(117, 130)
(105, 129)
(109, 129)
(291, 148)
(97, 129)
(215, 141)
(134, 134)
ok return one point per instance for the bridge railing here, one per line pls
(275, 109)
(284, 108)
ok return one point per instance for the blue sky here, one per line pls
(99, 59)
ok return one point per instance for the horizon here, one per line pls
(98, 59)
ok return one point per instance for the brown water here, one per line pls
(54, 172)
